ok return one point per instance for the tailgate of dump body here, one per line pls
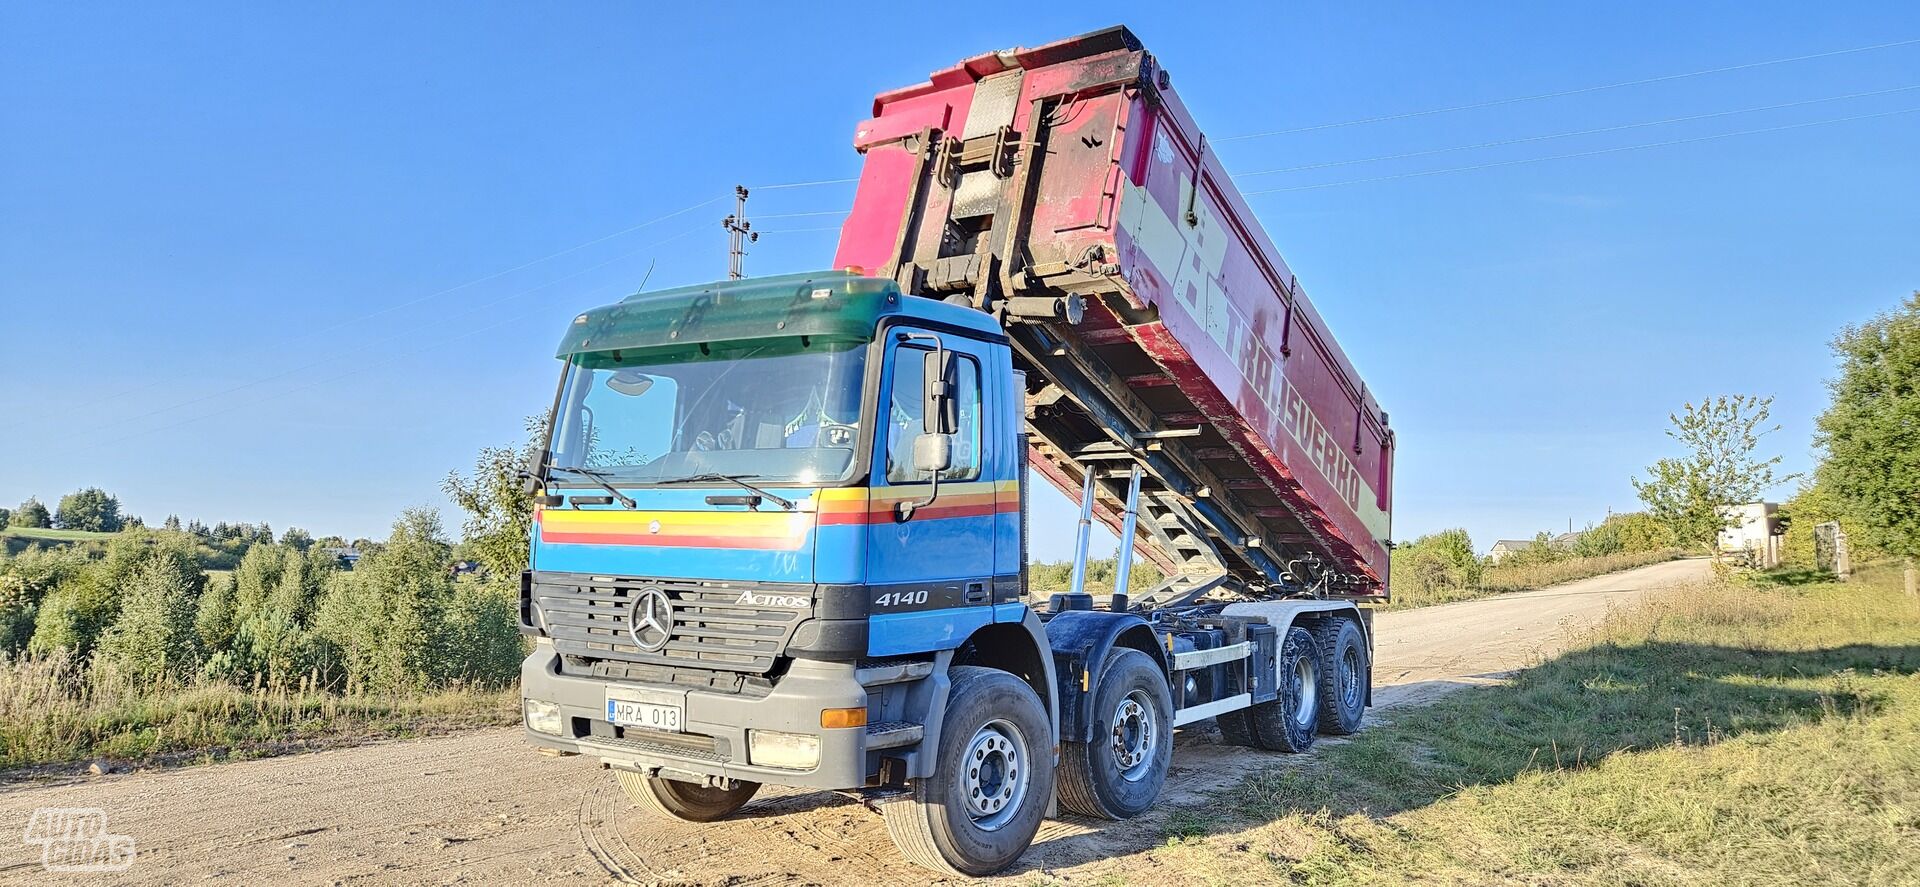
(1074, 168)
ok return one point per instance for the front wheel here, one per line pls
(685, 801)
(993, 776)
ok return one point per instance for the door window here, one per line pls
(906, 418)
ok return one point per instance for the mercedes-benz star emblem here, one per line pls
(652, 620)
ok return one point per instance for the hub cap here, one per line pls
(1134, 735)
(1303, 672)
(995, 775)
(1350, 679)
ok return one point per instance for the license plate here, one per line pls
(646, 715)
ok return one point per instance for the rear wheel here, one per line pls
(685, 801)
(1120, 773)
(1287, 723)
(993, 775)
(1343, 675)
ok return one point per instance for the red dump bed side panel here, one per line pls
(1225, 318)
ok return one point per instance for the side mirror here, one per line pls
(941, 410)
(536, 469)
(933, 453)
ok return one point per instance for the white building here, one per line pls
(1753, 528)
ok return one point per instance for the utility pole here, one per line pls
(739, 233)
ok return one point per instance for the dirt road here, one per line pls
(483, 808)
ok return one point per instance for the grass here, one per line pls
(1506, 578)
(1717, 734)
(52, 535)
(52, 717)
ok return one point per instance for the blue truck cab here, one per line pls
(740, 574)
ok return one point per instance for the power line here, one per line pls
(1598, 151)
(824, 212)
(441, 343)
(784, 185)
(1493, 103)
(802, 230)
(1563, 135)
(452, 289)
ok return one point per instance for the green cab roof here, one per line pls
(823, 306)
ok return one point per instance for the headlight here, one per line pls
(543, 717)
(788, 751)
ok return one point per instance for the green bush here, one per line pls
(30, 515)
(86, 601)
(255, 578)
(386, 617)
(481, 633)
(213, 619)
(1438, 561)
(153, 639)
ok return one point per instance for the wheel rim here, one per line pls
(1134, 735)
(1303, 714)
(1350, 678)
(994, 780)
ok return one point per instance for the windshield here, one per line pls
(781, 413)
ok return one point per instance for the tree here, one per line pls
(75, 613)
(172, 523)
(499, 507)
(6, 514)
(1871, 431)
(1438, 561)
(154, 639)
(90, 509)
(387, 617)
(296, 538)
(256, 577)
(1691, 495)
(213, 619)
(30, 515)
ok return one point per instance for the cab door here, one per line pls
(930, 547)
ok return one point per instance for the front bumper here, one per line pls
(715, 742)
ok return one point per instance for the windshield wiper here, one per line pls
(739, 480)
(597, 478)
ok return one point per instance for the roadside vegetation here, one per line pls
(1441, 568)
(1725, 733)
(136, 644)
(1756, 729)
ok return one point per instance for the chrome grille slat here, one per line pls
(588, 619)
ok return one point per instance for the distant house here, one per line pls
(1754, 530)
(346, 557)
(1566, 540)
(1506, 548)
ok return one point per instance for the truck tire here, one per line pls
(684, 801)
(1119, 774)
(992, 780)
(1285, 724)
(1344, 675)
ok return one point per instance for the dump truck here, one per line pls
(781, 524)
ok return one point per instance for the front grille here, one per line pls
(589, 618)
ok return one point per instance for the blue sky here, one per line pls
(279, 264)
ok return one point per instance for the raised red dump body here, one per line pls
(1026, 179)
